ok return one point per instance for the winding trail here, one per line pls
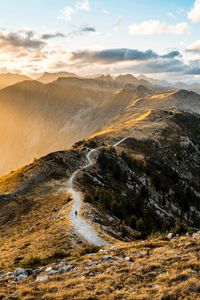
(78, 222)
(80, 225)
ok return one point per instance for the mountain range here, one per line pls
(39, 118)
(100, 177)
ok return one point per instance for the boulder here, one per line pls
(20, 271)
(49, 269)
(170, 235)
(41, 278)
(21, 277)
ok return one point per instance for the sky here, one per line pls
(158, 38)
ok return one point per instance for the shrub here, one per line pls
(32, 262)
(122, 229)
(89, 249)
(140, 225)
(60, 254)
(181, 227)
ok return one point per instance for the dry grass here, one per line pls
(123, 125)
(38, 231)
(169, 270)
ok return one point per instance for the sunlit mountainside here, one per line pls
(135, 165)
(99, 150)
(10, 79)
(40, 118)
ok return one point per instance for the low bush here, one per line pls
(35, 261)
(89, 249)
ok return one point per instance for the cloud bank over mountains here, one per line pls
(82, 45)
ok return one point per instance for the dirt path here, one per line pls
(78, 222)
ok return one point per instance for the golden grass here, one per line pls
(122, 126)
(40, 231)
(169, 271)
(11, 181)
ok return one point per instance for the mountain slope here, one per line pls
(50, 77)
(39, 118)
(10, 79)
(140, 181)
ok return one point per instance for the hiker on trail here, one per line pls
(76, 212)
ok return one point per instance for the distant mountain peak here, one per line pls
(185, 93)
(7, 79)
(49, 77)
(104, 77)
(128, 78)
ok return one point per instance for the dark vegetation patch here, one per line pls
(166, 176)
(35, 261)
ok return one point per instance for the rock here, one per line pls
(170, 236)
(52, 272)
(29, 271)
(103, 250)
(12, 281)
(9, 274)
(20, 271)
(41, 278)
(49, 269)
(64, 269)
(62, 264)
(107, 257)
(127, 258)
(21, 277)
(36, 271)
(196, 234)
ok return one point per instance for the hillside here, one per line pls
(138, 271)
(134, 182)
(37, 119)
(40, 118)
(56, 262)
(10, 79)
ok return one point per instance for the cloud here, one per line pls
(109, 56)
(20, 39)
(87, 29)
(171, 15)
(194, 14)
(82, 30)
(25, 39)
(83, 5)
(171, 54)
(135, 61)
(194, 47)
(68, 11)
(118, 23)
(171, 66)
(156, 27)
(161, 66)
(47, 36)
(105, 12)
